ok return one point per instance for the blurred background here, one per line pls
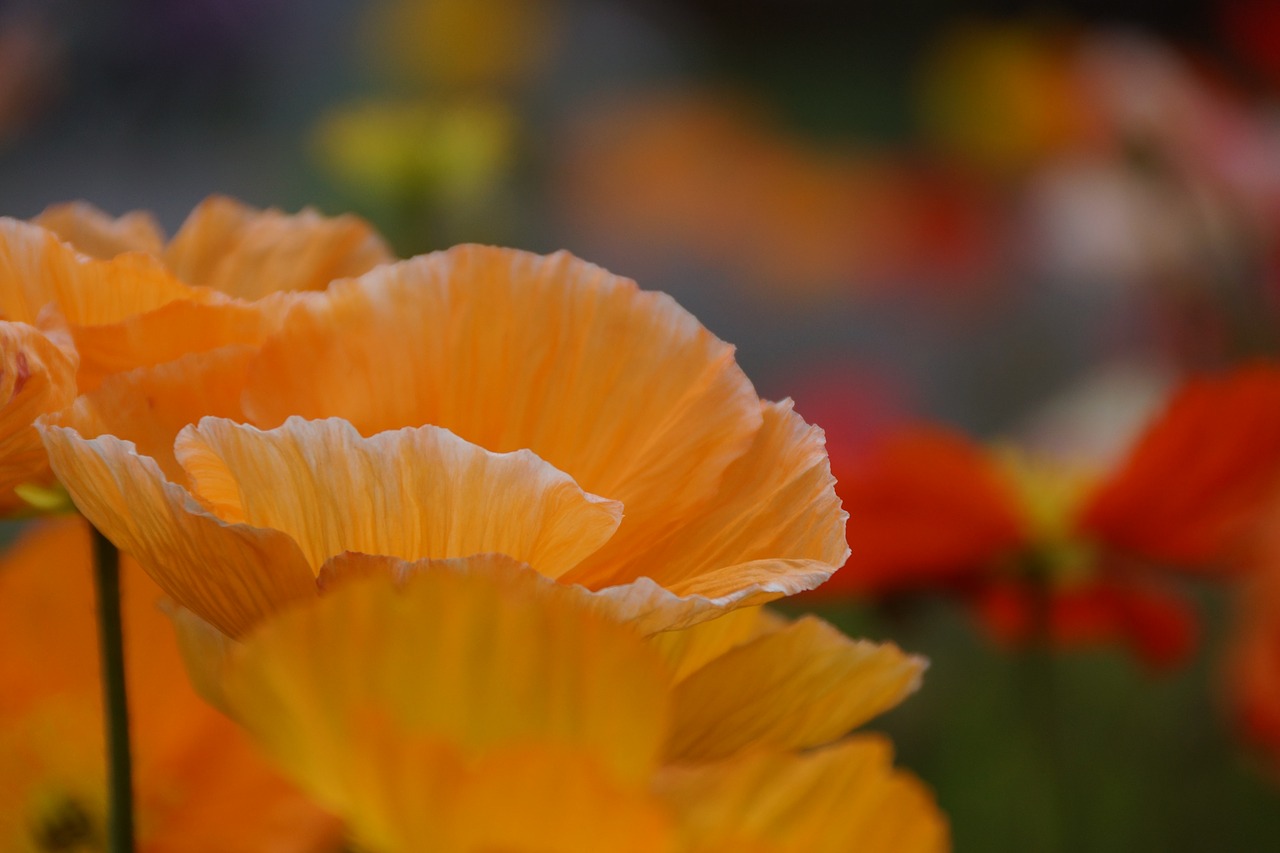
(1023, 220)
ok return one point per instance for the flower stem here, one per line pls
(114, 696)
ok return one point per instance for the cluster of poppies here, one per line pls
(464, 552)
(1069, 554)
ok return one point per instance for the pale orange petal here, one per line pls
(777, 528)
(100, 235)
(249, 253)
(172, 331)
(410, 493)
(840, 798)
(37, 269)
(233, 575)
(37, 375)
(621, 389)
(800, 686)
(150, 406)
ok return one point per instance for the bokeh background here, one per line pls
(1025, 220)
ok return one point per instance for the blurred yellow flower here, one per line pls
(661, 482)
(201, 787)
(449, 151)
(480, 707)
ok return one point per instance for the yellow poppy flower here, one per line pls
(479, 706)
(200, 786)
(661, 483)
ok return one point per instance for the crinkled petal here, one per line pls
(249, 253)
(840, 798)
(799, 686)
(151, 405)
(37, 269)
(100, 235)
(621, 389)
(172, 331)
(37, 375)
(232, 575)
(777, 521)
(412, 493)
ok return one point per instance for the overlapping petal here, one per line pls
(844, 797)
(250, 253)
(100, 235)
(516, 690)
(264, 510)
(37, 375)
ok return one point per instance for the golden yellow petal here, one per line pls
(691, 648)
(231, 575)
(150, 406)
(412, 493)
(453, 656)
(801, 685)
(100, 235)
(777, 528)
(840, 798)
(37, 375)
(37, 270)
(249, 253)
(621, 389)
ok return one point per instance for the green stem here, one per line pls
(114, 696)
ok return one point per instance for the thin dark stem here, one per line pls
(114, 696)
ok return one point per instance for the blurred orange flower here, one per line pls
(531, 717)
(200, 785)
(661, 482)
(83, 296)
(705, 176)
(1254, 658)
(930, 509)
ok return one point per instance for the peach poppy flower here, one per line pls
(83, 296)
(933, 510)
(200, 786)
(531, 721)
(572, 422)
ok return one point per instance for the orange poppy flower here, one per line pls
(932, 509)
(661, 482)
(199, 784)
(83, 296)
(531, 718)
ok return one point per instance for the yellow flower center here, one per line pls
(1050, 495)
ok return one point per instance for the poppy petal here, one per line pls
(1196, 478)
(621, 389)
(412, 493)
(800, 686)
(765, 802)
(100, 235)
(232, 574)
(925, 506)
(249, 253)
